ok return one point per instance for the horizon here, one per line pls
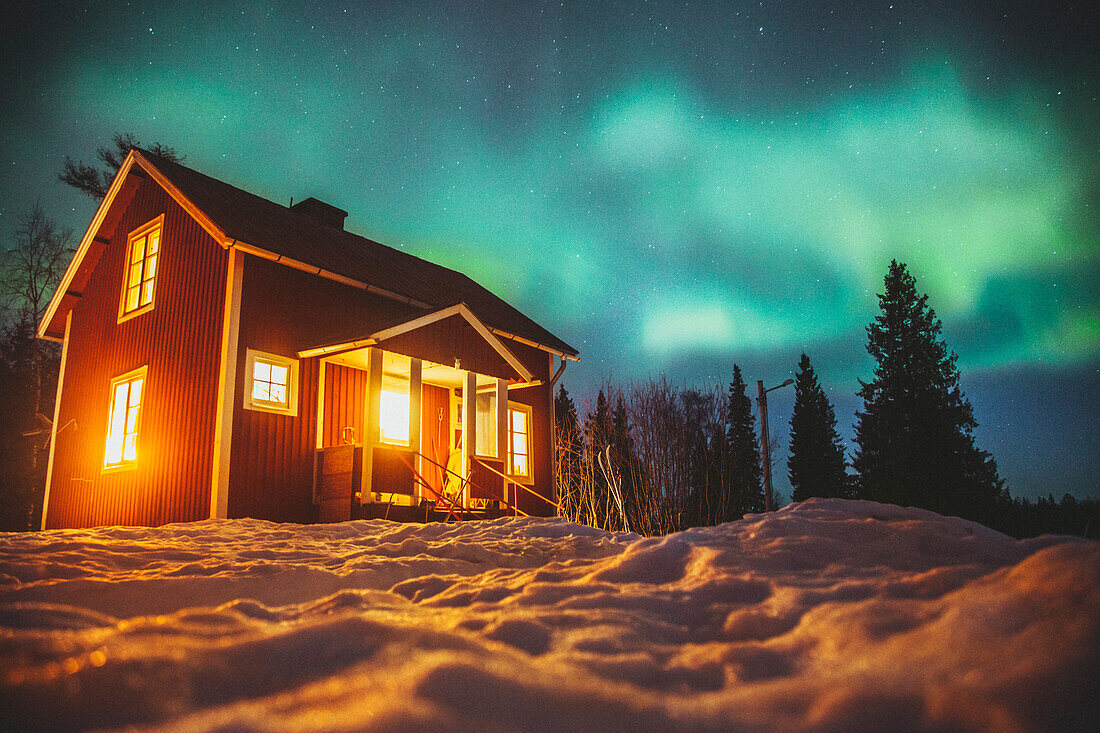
(670, 191)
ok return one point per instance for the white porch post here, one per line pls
(319, 441)
(371, 406)
(502, 433)
(415, 384)
(469, 423)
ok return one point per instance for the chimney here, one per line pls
(322, 212)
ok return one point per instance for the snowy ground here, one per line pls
(827, 615)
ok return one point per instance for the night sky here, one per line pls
(668, 187)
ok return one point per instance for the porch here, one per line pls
(404, 437)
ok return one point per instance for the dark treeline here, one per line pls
(658, 459)
(655, 459)
(30, 266)
(24, 429)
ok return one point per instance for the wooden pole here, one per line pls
(765, 454)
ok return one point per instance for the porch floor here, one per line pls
(423, 514)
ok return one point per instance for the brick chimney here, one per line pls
(322, 212)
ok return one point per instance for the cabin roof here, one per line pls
(243, 218)
(249, 218)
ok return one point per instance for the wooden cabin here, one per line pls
(227, 356)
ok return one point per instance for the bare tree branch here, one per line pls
(95, 181)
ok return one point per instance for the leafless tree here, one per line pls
(32, 267)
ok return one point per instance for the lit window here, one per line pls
(272, 383)
(393, 417)
(486, 419)
(124, 419)
(142, 255)
(519, 440)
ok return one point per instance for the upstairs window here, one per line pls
(124, 419)
(142, 255)
(272, 384)
(519, 441)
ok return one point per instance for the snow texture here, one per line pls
(828, 615)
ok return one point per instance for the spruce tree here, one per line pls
(568, 439)
(703, 442)
(914, 435)
(599, 427)
(568, 474)
(743, 464)
(816, 463)
(599, 434)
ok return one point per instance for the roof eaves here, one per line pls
(82, 249)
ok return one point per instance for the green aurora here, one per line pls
(671, 188)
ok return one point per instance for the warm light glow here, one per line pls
(518, 444)
(141, 269)
(393, 416)
(122, 423)
(486, 424)
(270, 382)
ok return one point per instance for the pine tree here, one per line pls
(569, 451)
(743, 462)
(816, 463)
(598, 427)
(914, 436)
(704, 427)
(95, 181)
(598, 434)
(622, 447)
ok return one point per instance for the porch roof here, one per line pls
(383, 334)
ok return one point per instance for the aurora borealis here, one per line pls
(669, 187)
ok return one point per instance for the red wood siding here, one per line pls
(539, 398)
(179, 342)
(283, 311)
(345, 391)
(434, 439)
(271, 464)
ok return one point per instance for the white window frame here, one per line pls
(136, 375)
(400, 386)
(479, 447)
(529, 477)
(290, 407)
(144, 230)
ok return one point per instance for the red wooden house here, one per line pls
(226, 356)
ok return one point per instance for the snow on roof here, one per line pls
(826, 615)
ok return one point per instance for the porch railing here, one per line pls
(465, 482)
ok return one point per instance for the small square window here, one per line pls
(272, 383)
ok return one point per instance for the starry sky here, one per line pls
(670, 187)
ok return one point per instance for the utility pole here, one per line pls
(765, 444)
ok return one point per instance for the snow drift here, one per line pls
(826, 615)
